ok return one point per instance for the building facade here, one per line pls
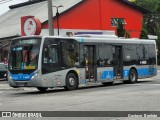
(102, 15)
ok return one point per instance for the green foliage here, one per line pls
(120, 29)
(127, 35)
(158, 7)
(148, 4)
(158, 46)
(144, 32)
(152, 19)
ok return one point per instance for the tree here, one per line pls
(158, 46)
(120, 29)
(144, 32)
(127, 35)
(152, 19)
(148, 4)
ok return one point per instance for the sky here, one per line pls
(4, 4)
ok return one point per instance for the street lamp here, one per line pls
(57, 15)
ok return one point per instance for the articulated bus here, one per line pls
(70, 62)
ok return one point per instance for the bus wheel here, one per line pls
(132, 76)
(71, 82)
(42, 89)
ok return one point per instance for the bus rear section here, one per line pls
(141, 58)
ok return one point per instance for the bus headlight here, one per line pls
(9, 76)
(34, 76)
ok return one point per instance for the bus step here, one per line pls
(91, 80)
(118, 77)
(92, 83)
(118, 81)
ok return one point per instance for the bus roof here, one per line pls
(107, 40)
(96, 36)
(96, 39)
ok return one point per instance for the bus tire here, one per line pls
(132, 76)
(71, 82)
(42, 89)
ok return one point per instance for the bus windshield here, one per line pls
(24, 54)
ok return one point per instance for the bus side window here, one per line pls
(50, 55)
(45, 55)
(105, 56)
(50, 58)
(69, 54)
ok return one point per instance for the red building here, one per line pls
(102, 15)
(76, 15)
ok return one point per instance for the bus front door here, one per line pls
(90, 63)
(118, 62)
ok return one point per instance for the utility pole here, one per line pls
(57, 15)
(50, 18)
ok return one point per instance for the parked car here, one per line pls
(3, 70)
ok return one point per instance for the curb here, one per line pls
(3, 79)
(6, 87)
(11, 89)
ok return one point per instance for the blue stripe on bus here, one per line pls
(142, 72)
(107, 75)
(125, 73)
(21, 77)
(147, 72)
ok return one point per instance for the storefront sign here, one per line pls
(30, 26)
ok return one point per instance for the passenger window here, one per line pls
(104, 55)
(69, 54)
(50, 54)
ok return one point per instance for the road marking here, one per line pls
(1, 92)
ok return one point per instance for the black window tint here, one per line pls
(142, 52)
(129, 52)
(132, 54)
(152, 54)
(145, 52)
(70, 54)
(82, 55)
(139, 51)
(50, 58)
(105, 55)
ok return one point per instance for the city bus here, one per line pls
(71, 62)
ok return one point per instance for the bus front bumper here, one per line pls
(29, 83)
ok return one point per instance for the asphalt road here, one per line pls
(142, 96)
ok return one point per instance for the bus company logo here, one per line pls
(30, 26)
(6, 114)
